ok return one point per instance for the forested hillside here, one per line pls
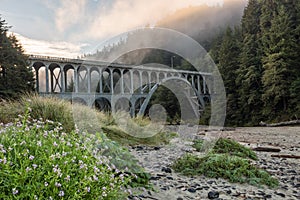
(257, 54)
(259, 62)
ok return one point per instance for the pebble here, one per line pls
(168, 184)
(213, 195)
(192, 190)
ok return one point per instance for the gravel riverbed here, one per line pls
(170, 185)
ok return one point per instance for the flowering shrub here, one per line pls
(40, 161)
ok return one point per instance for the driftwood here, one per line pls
(285, 156)
(288, 123)
(266, 149)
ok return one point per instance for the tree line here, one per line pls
(260, 63)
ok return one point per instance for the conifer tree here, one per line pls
(278, 63)
(228, 65)
(250, 70)
(15, 75)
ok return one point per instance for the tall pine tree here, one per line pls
(278, 62)
(228, 65)
(15, 75)
(249, 73)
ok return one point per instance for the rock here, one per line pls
(297, 185)
(210, 182)
(155, 178)
(139, 148)
(205, 187)
(268, 196)
(157, 148)
(280, 194)
(192, 190)
(213, 195)
(166, 169)
(179, 198)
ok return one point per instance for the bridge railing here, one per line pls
(95, 63)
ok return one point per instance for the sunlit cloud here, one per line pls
(117, 17)
(56, 49)
(69, 13)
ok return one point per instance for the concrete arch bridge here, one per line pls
(113, 86)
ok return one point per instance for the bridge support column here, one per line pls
(131, 82)
(141, 81)
(62, 79)
(204, 84)
(88, 71)
(111, 81)
(198, 84)
(193, 82)
(122, 81)
(132, 108)
(76, 79)
(37, 80)
(47, 78)
(149, 81)
(100, 81)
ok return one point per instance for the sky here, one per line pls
(69, 28)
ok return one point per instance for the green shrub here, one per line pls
(227, 146)
(233, 168)
(233, 148)
(39, 159)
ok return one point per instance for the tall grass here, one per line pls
(77, 116)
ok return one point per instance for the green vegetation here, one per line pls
(118, 134)
(90, 134)
(229, 160)
(15, 75)
(233, 168)
(40, 161)
(227, 146)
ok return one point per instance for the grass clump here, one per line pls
(124, 138)
(227, 146)
(39, 160)
(53, 109)
(233, 168)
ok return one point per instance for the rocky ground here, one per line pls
(170, 185)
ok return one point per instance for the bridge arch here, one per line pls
(41, 74)
(94, 79)
(82, 76)
(78, 100)
(102, 104)
(183, 95)
(122, 104)
(69, 71)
